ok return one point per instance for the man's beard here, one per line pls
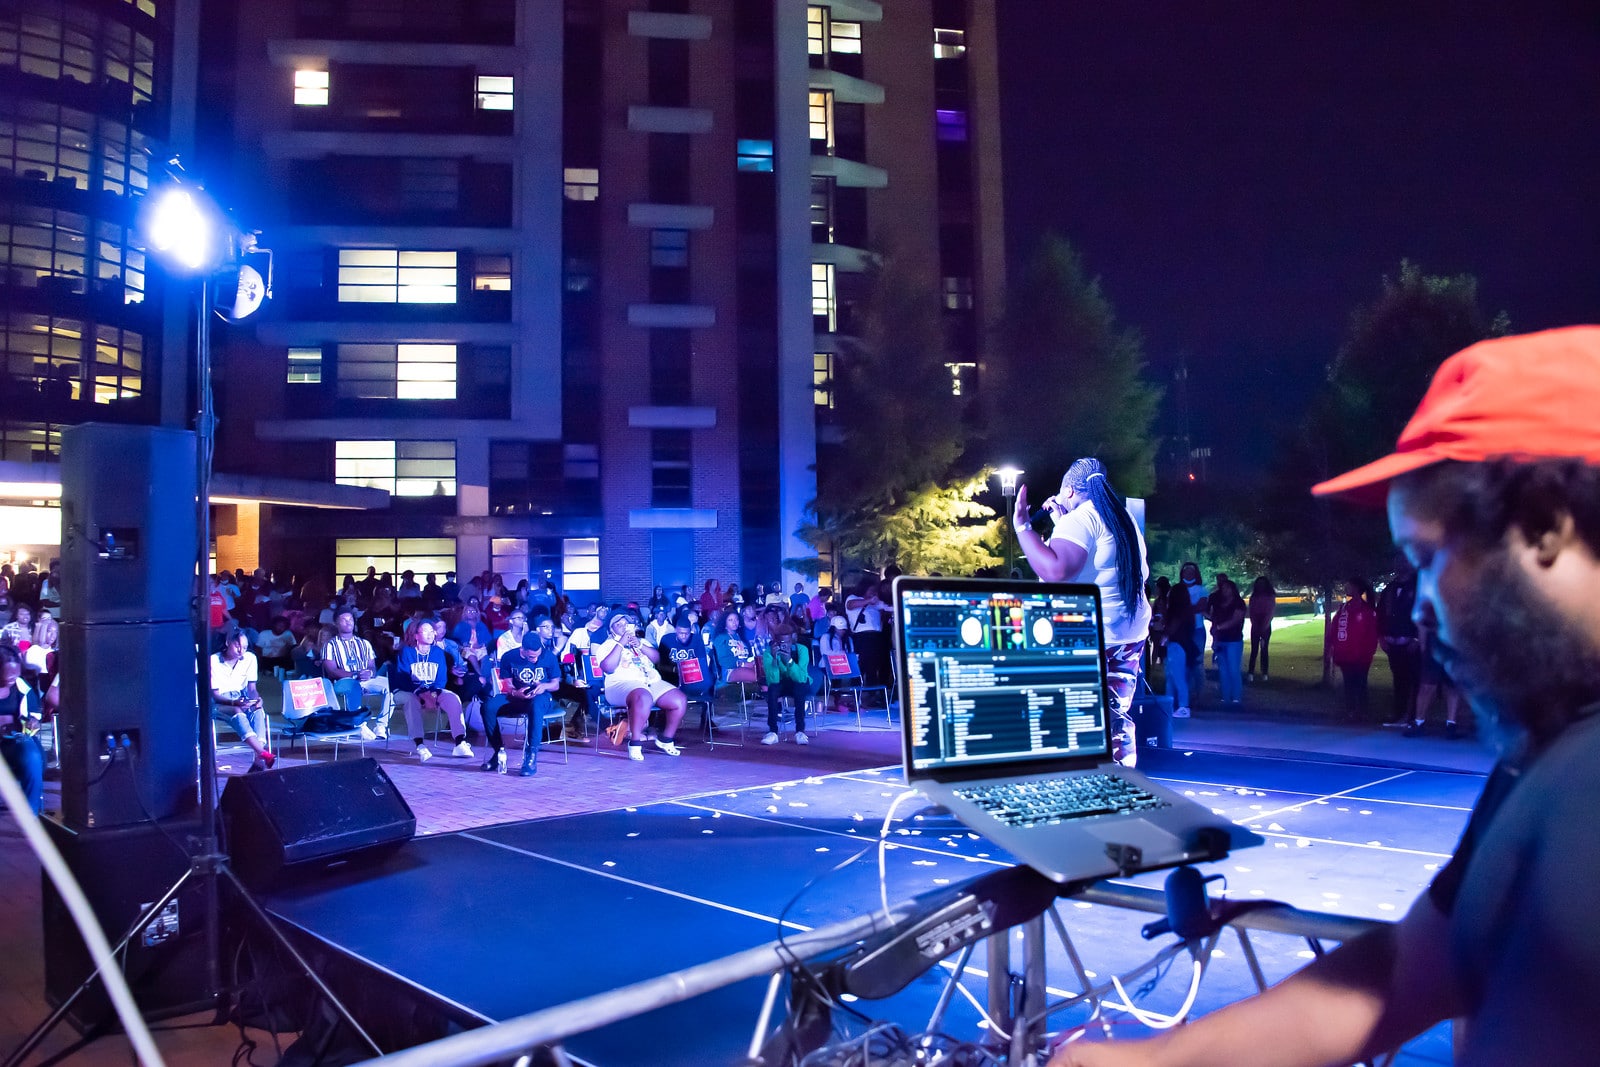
(1521, 665)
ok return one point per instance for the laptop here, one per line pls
(1004, 713)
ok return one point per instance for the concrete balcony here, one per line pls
(843, 257)
(849, 174)
(845, 89)
(670, 216)
(854, 10)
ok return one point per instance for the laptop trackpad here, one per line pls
(1138, 842)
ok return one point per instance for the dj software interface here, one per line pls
(994, 677)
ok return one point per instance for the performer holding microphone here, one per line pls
(1096, 539)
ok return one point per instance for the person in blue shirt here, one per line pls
(529, 677)
(419, 683)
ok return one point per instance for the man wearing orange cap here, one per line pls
(1494, 495)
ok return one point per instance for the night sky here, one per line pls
(1241, 176)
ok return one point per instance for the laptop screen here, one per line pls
(999, 672)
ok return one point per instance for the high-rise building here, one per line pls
(567, 278)
(93, 93)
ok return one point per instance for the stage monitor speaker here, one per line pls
(128, 523)
(123, 872)
(286, 824)
(134, 680)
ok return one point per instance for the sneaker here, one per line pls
(267, 760)
(422, 754)
(1416, 729)
(529, 768)
(1250, 677)
(463, 750)
(669, 747)
(1180, 713)
(636, 752)
(800, 738)
(770, 739)
(1452, 732)
(367, 733)
(1266, 678)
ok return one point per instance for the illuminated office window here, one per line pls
(958, 294)
(950, 124)
(494, 93)
(580, 563)
(960, 377)
(844, 38)
(402, 468)
(824, 306)
(754, 155)
(491, 273)
(821, 119)
(949, 44)
(393, 555)
(311, 88)
(822, 379)
(305, 366)
(397, 371)
(385, 276)
(580, 183)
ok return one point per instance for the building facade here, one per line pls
(569, 278)
(94, 94)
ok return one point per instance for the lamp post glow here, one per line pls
(1008, 488)
(180, 231)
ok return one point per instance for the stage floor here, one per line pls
(495, 922)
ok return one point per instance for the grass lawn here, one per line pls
(1295, 689)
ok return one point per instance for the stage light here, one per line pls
(181, 230)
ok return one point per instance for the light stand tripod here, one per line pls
(209, 864)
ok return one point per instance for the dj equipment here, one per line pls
(302, 820)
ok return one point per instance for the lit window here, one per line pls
(580, 563)
(580, 183)
(822, 379)
(824, 308)
(385, 276)
(817, 31)
(821, 210)
(755, 155)
(402, 468)
(311, 88)
(949, 44)
(669, 248)
(494, 93)
(958, 294)
(305, 366)
(959, 375)
(390, 555)
(845, 38)
(492, 273)
(397, 372)
(821, 118)
(950, 124)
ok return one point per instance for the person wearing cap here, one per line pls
(1493, 494)
(633, 682)
(528, 677)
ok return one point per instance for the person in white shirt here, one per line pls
(511, 640)
(1096, 540)
(657, 627)
(234, 699)
(633, 682)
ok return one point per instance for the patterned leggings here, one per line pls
(1122, 681)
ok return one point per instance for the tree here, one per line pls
(1215, 545)
(1065, 380)
(891, 490)
(1390, 352)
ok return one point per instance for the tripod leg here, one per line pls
(322, 987)
(42, 1031)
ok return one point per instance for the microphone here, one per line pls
(1038, 513)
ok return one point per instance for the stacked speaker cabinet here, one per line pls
(128, 525)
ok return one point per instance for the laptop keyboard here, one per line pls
(1053, 800)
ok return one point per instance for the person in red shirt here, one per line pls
(1350, 641)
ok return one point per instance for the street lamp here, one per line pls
(1008, 488)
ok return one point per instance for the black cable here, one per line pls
(131, 755)
(794, 962)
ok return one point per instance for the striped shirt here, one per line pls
(350, 654)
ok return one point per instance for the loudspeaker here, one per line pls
(128, 523)
(286, 824)
(135, 680)
(123, 872)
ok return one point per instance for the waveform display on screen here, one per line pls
(995, 678)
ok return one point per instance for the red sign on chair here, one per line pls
(839, 665)
(306, 695)
(689, 672)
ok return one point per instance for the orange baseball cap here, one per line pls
(1533, 396)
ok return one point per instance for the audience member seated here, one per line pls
(736, 656)
(471, 624)
(234, 699)
(658, 626)
(633, 682)
(19, 714)
(350, 662)
(686, 658)
(46, 632)
(529, 677)
(511, 640)
(19, 631)
(579, 648)
(419, 683)
(787, 667)
(276, 646)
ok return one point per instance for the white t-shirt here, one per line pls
(231, 679)
(632, 666)
(1084, 528)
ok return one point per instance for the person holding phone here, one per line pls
(419, 684)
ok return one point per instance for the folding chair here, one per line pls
(842, 672)
(694, 679)
(305, 698)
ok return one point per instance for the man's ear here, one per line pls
(1545, 547)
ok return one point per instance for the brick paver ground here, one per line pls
(446, 794)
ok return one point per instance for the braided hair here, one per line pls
(1087, 477)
